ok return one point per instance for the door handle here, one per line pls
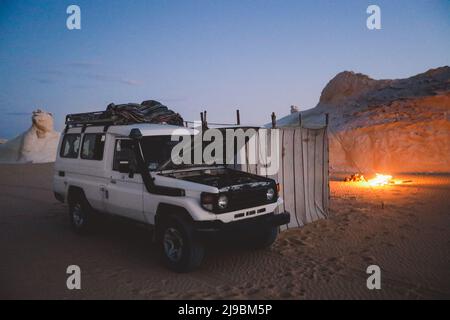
(105, 192)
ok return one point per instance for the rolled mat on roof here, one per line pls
(149, 111)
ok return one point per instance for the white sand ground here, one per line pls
(403, 229)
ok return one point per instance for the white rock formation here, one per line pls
(385, 126)
(36, 145)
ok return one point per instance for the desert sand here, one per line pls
(405, 229)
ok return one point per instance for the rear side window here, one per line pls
(70, 146)
(93, 146)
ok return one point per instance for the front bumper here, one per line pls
(241, 227)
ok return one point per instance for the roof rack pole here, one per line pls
(238, 117)
(204, 118)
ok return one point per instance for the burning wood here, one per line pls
(355, 178)
(378, 180)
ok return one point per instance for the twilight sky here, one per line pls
(192, 55)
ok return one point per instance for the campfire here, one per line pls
(381, 180)
(377, 181)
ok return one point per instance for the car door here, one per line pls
(124, 192)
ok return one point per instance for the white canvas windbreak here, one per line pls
(302, 171)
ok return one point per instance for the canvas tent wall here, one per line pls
(302, 171)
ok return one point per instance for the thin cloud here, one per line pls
(173, 99)
(87, 75)
(82, 64)
(17, 113)
(108, 78)
(44, 80)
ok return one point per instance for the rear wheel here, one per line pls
(180, 250)
(80, 214)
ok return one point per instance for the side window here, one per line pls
(70, 146)
(93, 146)
(123, 155)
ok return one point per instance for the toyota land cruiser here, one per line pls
(123, 170)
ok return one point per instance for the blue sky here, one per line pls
(258, 55)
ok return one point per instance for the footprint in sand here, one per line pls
(368, 259)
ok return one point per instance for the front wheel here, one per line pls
(180, 250)
(264, 238)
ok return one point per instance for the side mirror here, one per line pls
(124, 166)
(132, 169)
(135, 134)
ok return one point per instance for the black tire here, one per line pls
(180, 251)
(264, 238)
(80, 214)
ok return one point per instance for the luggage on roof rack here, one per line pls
(149, 111)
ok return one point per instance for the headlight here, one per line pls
(270, 194)
(207, 200)
(222, 202)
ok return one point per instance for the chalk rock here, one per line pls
(36, 145)
(385, 126)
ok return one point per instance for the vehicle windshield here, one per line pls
(157, 152)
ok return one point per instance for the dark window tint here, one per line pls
(157, 150)
(123, 155)
(70, 146)
(93, 145)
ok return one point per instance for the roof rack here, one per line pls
(83, 120)
(90, 118)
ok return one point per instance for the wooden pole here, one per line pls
(300, 119)
(238, 117)
(274, 120)
(326, 119)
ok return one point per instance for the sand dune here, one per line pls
(403, 229)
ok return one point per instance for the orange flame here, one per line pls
(380, 180)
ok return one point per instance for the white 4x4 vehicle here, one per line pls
(124, 170)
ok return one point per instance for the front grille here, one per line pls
(247, 198)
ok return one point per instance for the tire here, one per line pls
(264, 239)
(80, 214)
(180, 251)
